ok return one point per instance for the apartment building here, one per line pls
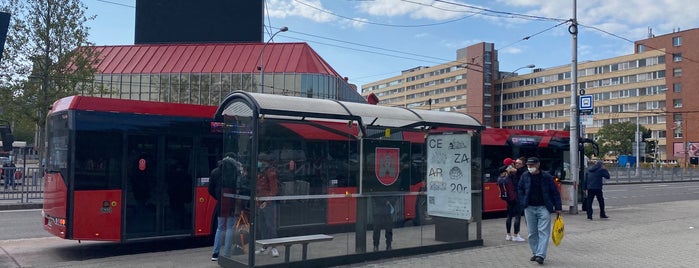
(464, 85)
(654, 87)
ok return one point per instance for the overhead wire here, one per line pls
(633, 42)
(378, 23)
(480, 11)
(421, 58)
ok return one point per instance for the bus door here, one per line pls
(159, 186)
(178, 186)
(142, 186)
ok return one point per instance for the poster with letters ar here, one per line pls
(449, 176)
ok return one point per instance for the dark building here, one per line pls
(202, 21)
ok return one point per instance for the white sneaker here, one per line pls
(275, 252)
(508, 238)
(518, 238)
(262, 251)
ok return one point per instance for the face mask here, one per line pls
(259, 165)
(531, 169)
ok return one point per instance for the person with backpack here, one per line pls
(506, 182)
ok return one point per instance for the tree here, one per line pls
(617, 139)
(47, 56)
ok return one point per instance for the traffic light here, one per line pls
(7, 141)
(7, 138)
(650, 146)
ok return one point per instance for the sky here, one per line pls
(370, 40)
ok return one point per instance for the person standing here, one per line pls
(9, 173)
(507, 182)
(382, 210)
(539, 197)
(267, 185)
(593, 188)
(223, 179)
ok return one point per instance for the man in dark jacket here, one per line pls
(223, 180)
(593, 188)
(539, 197)
(383, 210)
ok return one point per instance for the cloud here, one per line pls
(416, 9)
(460, 44)
(629, 19)
(510, 50)
(309, 9)
(421, 35)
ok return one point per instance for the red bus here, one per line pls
(552, 147)
(121, 170)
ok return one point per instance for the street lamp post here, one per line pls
(502, 85)
(638, 138)
(261, 67)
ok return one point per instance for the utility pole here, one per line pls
(574, 113)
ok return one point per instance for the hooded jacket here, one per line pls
(594, 175)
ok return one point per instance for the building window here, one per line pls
(677, 72)
(677, 103)
(677, 87)
(677, 57)
(677, 41)
(641, 48)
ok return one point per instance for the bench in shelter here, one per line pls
(304, 240)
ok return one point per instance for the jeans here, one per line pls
(225, 228)
(539, 226)
(9, 174)
(266, 219)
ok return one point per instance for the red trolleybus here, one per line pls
(120, 170)
(550, 146)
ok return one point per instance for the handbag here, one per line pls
(558, 230)
(242, 228)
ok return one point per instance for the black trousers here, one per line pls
(383, 221)
(514, 210)
(591, 194)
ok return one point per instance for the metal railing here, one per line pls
(29, 184)
(21, 184)
(657, 174)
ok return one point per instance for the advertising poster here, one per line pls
(449, 176)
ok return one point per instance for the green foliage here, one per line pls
(44, 58)
(618, 139)
(589, 150)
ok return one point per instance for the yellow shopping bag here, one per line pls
(558, 230)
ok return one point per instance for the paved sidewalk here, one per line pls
(649, 235)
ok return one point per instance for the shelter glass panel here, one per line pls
(318, 181)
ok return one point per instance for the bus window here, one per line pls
(97, 160)
(58, 143)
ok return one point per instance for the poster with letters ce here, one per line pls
(449, 176)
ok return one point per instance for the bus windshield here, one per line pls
(57, 152)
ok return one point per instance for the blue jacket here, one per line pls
(552, 198)
(594, 175)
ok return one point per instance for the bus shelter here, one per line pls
(323, 182)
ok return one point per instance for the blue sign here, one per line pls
(586, 102)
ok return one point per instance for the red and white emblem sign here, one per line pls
(386, 165)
